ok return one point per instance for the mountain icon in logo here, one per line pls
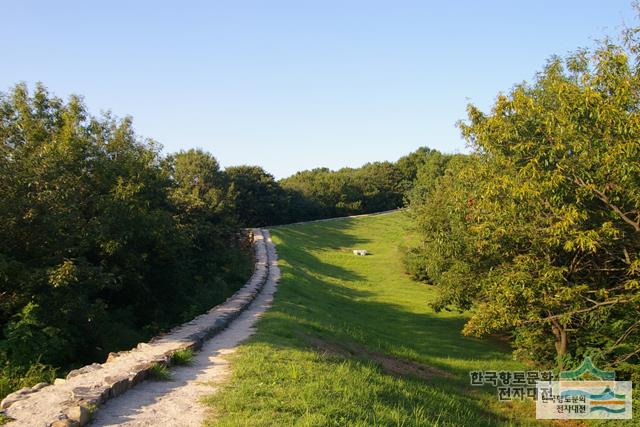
(586, 372)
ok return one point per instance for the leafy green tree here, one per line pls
(209, 231)
(259, 200)
(381, 186)
(104, 242)
(81, 198)
(439, 208)
(410, 165)
(323, 188)
(199, 182)
(543, 226)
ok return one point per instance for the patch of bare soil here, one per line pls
(326, 348)
(390, 364)
(402, 367)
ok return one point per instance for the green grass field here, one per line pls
(351, 341)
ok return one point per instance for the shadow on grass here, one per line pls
(342, 313)
(299, 241)
(333, 316)
(307, 304)
(322, 236)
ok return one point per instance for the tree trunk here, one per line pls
(561, 341)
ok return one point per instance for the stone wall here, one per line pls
(71, 401)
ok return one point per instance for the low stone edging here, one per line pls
(71, 402)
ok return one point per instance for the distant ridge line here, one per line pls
(338, 217)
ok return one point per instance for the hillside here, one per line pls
(351, 341)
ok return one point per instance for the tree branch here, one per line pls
(605, 199)
(625, 334)
(627, 357)
(582, 310)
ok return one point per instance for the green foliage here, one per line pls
(538, 231)
(27, 339)
(258, 198)
(374, 187)
(182, 357)
(319, 193)
(160, 372)
(105, 243)
(322, 193)
(13, 377)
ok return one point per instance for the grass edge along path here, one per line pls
(351, 341)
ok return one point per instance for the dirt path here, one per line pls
(177, 402)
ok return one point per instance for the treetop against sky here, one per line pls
(289, 84)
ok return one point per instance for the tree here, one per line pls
(410, 164)
(545, 225)
(105, 243)
(258, 198)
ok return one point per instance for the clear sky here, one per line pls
(292, 85)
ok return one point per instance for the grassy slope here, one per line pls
(326, 292)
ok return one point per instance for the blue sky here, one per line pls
(292, 85)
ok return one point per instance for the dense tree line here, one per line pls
(104, 241)
(537, 232)
(324, 193)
